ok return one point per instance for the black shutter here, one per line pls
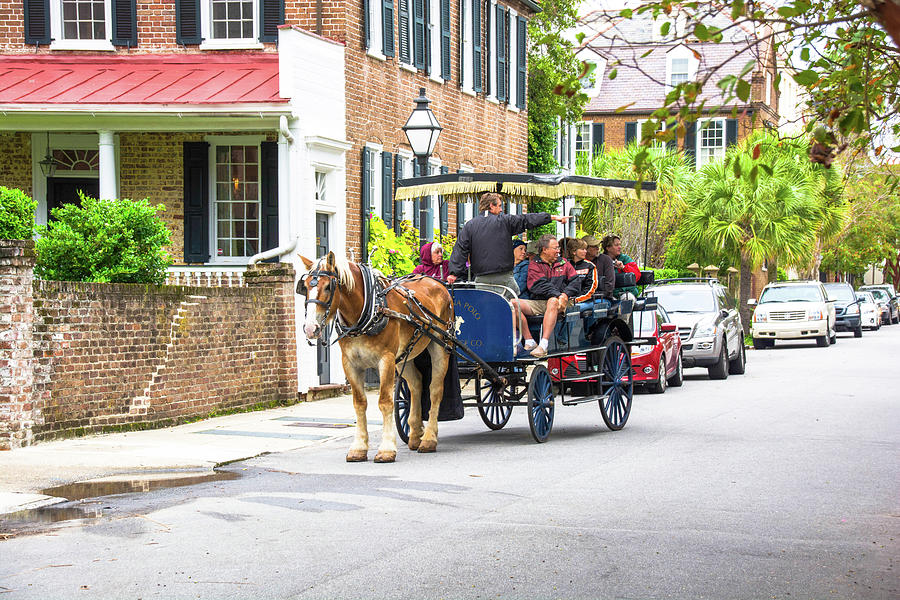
(690, 142)
(731, 128)
(387, 27)
(507, 52)
(501, 52)
(476, 46)
(364, 203)
(187, 22)
(272, 12)
(37, 21)
(367, 26)
(444, 208)
(196, 202)
(445, 39)
(268, 188)
(488, 57)
(124, 23)
(387, 190)
(419, 34)
(427, 37)
(597, 134)
(398, 204)
(521, 67)
(416, 202)
(403, 26)
(630, 132)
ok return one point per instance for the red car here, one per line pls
(658, 366)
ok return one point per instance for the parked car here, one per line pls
(885, 292)
(846, 307)
(790, 310)
(870, 311)
(660, 365)
(709, 324)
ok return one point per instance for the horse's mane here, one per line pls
(342, 266)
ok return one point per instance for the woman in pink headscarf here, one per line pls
(432, 262)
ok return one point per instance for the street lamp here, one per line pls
(422, 130)
(575, 213)
(48, 164)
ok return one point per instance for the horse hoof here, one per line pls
(425, 447)
(385, 457)
(414, 444)
(357, 456)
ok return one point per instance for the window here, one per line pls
(681, 66)
(679, 71)
(321, 189)
(412, 32)
(582, 140)
(379, 28)
(229, 23)
(81, 24)
(710, 141)
(236, 201)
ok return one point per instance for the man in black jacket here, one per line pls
(486, 242)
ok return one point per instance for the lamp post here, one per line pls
(422, 130)
(575, 213)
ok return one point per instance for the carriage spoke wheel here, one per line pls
(617, 384)
(540, 403)
(401, 408)
(493, 404)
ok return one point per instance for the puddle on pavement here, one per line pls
(110, 486)
(48, 514)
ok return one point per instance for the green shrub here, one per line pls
(663, 273)
(16, 214)
(388, 253)
(110, 241)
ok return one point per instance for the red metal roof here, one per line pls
(145, 79)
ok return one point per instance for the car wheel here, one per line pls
(896, 320)
(720, 369)
(678, 378)
(823, 341)
(833, 339)
(739, 364)
(659, 387)
(857, 332)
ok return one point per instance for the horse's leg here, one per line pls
(414, 380)
(440, 360)
(359, 450)
(387, 450)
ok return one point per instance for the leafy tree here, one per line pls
(109, 241)
(16, 214)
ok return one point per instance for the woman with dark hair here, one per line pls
(576, 253)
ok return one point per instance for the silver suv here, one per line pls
(709, 324)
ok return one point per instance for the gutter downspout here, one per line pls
(284, 223)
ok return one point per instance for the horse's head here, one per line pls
(321, 285)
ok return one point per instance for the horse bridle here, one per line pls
(312, 279)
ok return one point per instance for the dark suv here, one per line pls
(709, 324)
(846, 308)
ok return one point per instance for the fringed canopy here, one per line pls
(522, 187)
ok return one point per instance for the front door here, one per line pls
(64, 190)
(323, 351)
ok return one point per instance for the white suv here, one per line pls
(789, 310)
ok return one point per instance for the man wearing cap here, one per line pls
(520, 270)
(606, 271)
(486, 241)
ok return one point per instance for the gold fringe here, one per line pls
(521, 192)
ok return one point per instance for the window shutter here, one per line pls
(187, 22)
(398, 205)
(37, 21)
(367, 26)
(731, 128)
(630, 131)
(445, 40)
(387, 26)
(488, 57)
(521, 66)
(460, 216)
(476, 46)
(387, 190)
(507, 52)
(268, 191)
(690, 142)
(364, 203)
(416, 202)
(272, 12)
(597, 133)
(403, 22)
(419, 33)
(196, 202)
(124, 22)
(445, 209)
(500, 30)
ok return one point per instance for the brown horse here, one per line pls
(335, 289)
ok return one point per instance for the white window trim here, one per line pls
(491, 51)
(209, 43)
(681, 51)
(56, 31)
(376, 166)
(640, 134)
(227, 140)
(590, 139)
(467, 47)
(406, 162)
(700, 127)
(513, 61)
(376, 30)
(433, 27)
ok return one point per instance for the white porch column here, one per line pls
(107, 166)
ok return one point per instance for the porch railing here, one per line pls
(206, 276)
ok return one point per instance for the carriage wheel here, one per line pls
(401, 408)
(617, 383)
(492, 404)
(540, 403)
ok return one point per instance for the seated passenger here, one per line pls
(551, 282)
(432, 262)
(612, 247)
(606, 272)
(520, 268)
(576, 252)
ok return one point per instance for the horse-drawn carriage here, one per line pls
(473, 325)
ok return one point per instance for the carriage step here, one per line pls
(584, 399)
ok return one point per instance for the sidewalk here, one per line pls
(196, 446)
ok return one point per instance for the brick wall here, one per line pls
(15, 160)
(100, 357)
(614, 127)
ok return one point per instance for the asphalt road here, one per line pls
(781, 483)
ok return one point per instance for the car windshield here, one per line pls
(644, 322)
(839, 292)
(791, 293)
(879, 294)
(686, 299)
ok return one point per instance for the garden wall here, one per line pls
(78, 358)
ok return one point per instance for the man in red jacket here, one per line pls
(551, 282)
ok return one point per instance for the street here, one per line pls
(781, 483)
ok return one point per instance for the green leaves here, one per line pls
(806, 78)
(16, 214)
(743, 90)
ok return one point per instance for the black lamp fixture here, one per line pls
(575, 213)
(48, 164)
(422, 130)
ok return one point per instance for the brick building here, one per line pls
(258, 125)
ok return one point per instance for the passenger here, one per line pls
(520, 270)
(606, 272)
(486, 241)
(551, 282)
(576, 251)
(432, 261)
(612, 247)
